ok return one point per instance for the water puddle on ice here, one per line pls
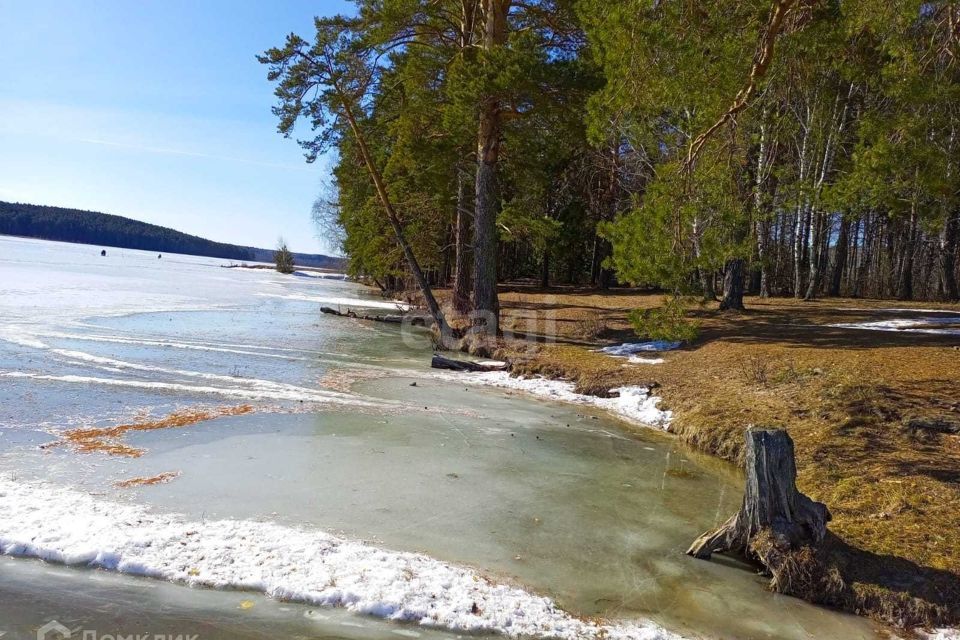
(478, 508)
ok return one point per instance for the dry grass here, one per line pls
(847, 397)
(160, 478)
(109, 440)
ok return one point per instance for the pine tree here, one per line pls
(283, 258)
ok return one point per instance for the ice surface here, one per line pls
(62, 525)
(91, 341)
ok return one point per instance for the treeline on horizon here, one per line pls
(91, 227)
(777, 147)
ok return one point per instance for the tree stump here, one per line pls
(775, 518)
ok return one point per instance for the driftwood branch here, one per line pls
(442, 362)
(775, 518)
(761, 64)
(414, 320)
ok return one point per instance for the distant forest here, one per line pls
(92, 227)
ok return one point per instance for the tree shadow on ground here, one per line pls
(897, 588)
(783, 322)
(812, 328)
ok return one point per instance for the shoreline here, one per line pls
(836, 400)
(635, 404)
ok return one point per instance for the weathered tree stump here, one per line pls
(442, 362)
(775, 518)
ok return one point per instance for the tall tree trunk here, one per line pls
(891, 272)
(949, 241)
(822, 224)
(485, 246)
(866, 256)
(733, 285)
(840, 258)
(705, 272)
(600, 276)
(905, 278)
(461, 269)
(763, 285)
(819, 254)
(802, 211)
(761, 210)
(485, 302)
(816, 250)
(853, 260)
(594, 261)
(707, 284)
(545, 269)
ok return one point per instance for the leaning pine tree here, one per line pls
(326, 83)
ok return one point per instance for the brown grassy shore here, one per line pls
(855, 402)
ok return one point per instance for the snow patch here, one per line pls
(636, 404)
(909, 325)
(630, 348)
(21, 339)
(320, 275)
(63, 525)
(395, 305)
(642, 360)
(897, 310)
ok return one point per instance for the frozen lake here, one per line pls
(366, 507)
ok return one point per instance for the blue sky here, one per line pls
(156, 110)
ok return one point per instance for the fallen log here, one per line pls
(774, 519)
(442, 362)
(414, 320)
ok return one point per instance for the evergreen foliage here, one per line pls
(283, 259)
(826, 138)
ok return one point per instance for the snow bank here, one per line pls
(320, 275)
(896, 310)
(265, 391)
(633, 403)
(630, 348)
(909, 325)
(395, 305)
(63, 525)
(247, 350)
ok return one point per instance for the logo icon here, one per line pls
(53, 630)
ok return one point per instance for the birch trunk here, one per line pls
(800, 229)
